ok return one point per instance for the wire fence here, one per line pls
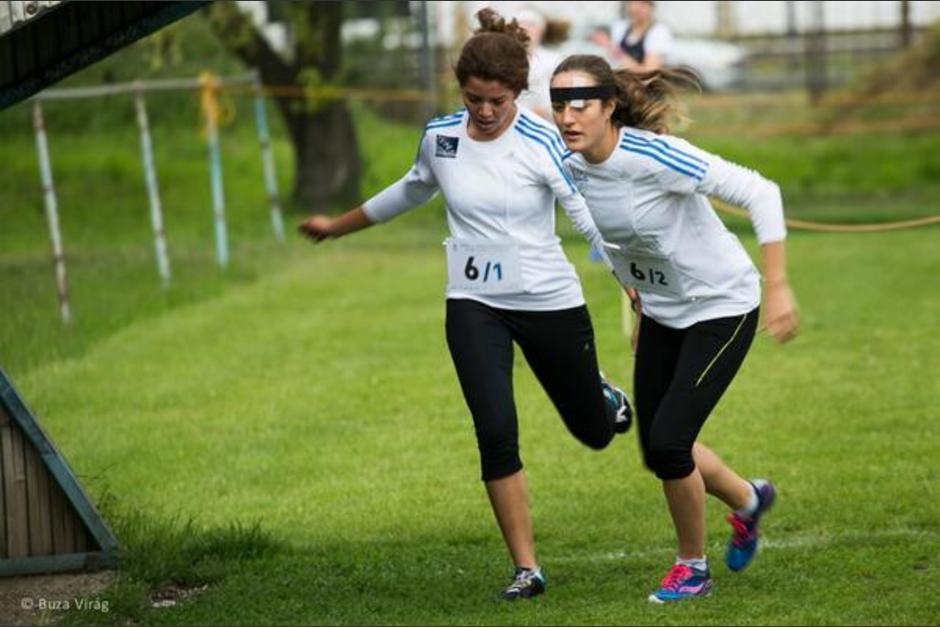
(211, 88)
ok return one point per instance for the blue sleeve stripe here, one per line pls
(551, 153)
(666, 150)
(681, 152)
(550, 134)
(540, 126)
(629, 140)
(567, 154)
(446, 120)
(543, 133)
(658, 157)
(662, 146)
(543, 126)
(455, 114)
(442, 124)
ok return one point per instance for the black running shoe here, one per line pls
(619, 405)
(527, 582)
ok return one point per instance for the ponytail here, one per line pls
(642, 99)
(497, 51)
(492, 22)
(647, 100)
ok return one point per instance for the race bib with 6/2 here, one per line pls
(483, 267)
(645, 271)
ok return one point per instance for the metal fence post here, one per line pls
(52, 213)
(153, 192)
(210, 107)
(267, 161)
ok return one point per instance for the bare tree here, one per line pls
(327, 166)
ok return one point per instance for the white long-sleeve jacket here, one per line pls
(649, 200)
(496, 191)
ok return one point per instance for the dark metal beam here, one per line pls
(74, 35)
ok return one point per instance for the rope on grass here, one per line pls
(825, 227)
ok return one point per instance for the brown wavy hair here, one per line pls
(495, 52)
(643, 99)
(556, 32)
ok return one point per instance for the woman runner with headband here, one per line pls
(696, 290)
(499, 168)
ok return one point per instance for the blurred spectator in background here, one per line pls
(600, 37)
(542, 60)
(639, 43)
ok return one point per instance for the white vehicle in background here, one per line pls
(720, 64)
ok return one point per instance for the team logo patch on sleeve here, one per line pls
(447, 146)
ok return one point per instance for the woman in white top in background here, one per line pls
(542, 61)
(698, 291)
(499, 168)
(641, 44)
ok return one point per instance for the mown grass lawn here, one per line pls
(290, 431)
(310, 425)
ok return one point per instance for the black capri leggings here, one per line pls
(679, 376)
(559, 346)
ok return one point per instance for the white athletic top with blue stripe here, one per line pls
(499, 189)
(650, 197)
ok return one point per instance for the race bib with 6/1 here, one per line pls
(645, 271)
(483, 267)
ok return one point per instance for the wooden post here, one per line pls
(52, 212)
(153, 192)
(4, 509)
(793, 57)
(40, 522)
(48, 521)
(58, 511)
(426, 60)
(210, 107)
(816, 75)
(906, 34)
(267, 162)
(14, 490)
(725, 27)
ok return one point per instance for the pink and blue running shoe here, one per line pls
(683, 582)
(743, 544)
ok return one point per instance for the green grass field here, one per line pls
(290, 431)
(315, 410)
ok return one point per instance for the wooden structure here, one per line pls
(47, 522)
(42, 42)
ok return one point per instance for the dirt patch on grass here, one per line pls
(172, 594)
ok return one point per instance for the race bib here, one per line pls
(645, 271)
(483, 267)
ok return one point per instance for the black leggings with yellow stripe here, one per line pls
(679, 376)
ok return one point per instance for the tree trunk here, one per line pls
(327, 166)
(326, 152)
